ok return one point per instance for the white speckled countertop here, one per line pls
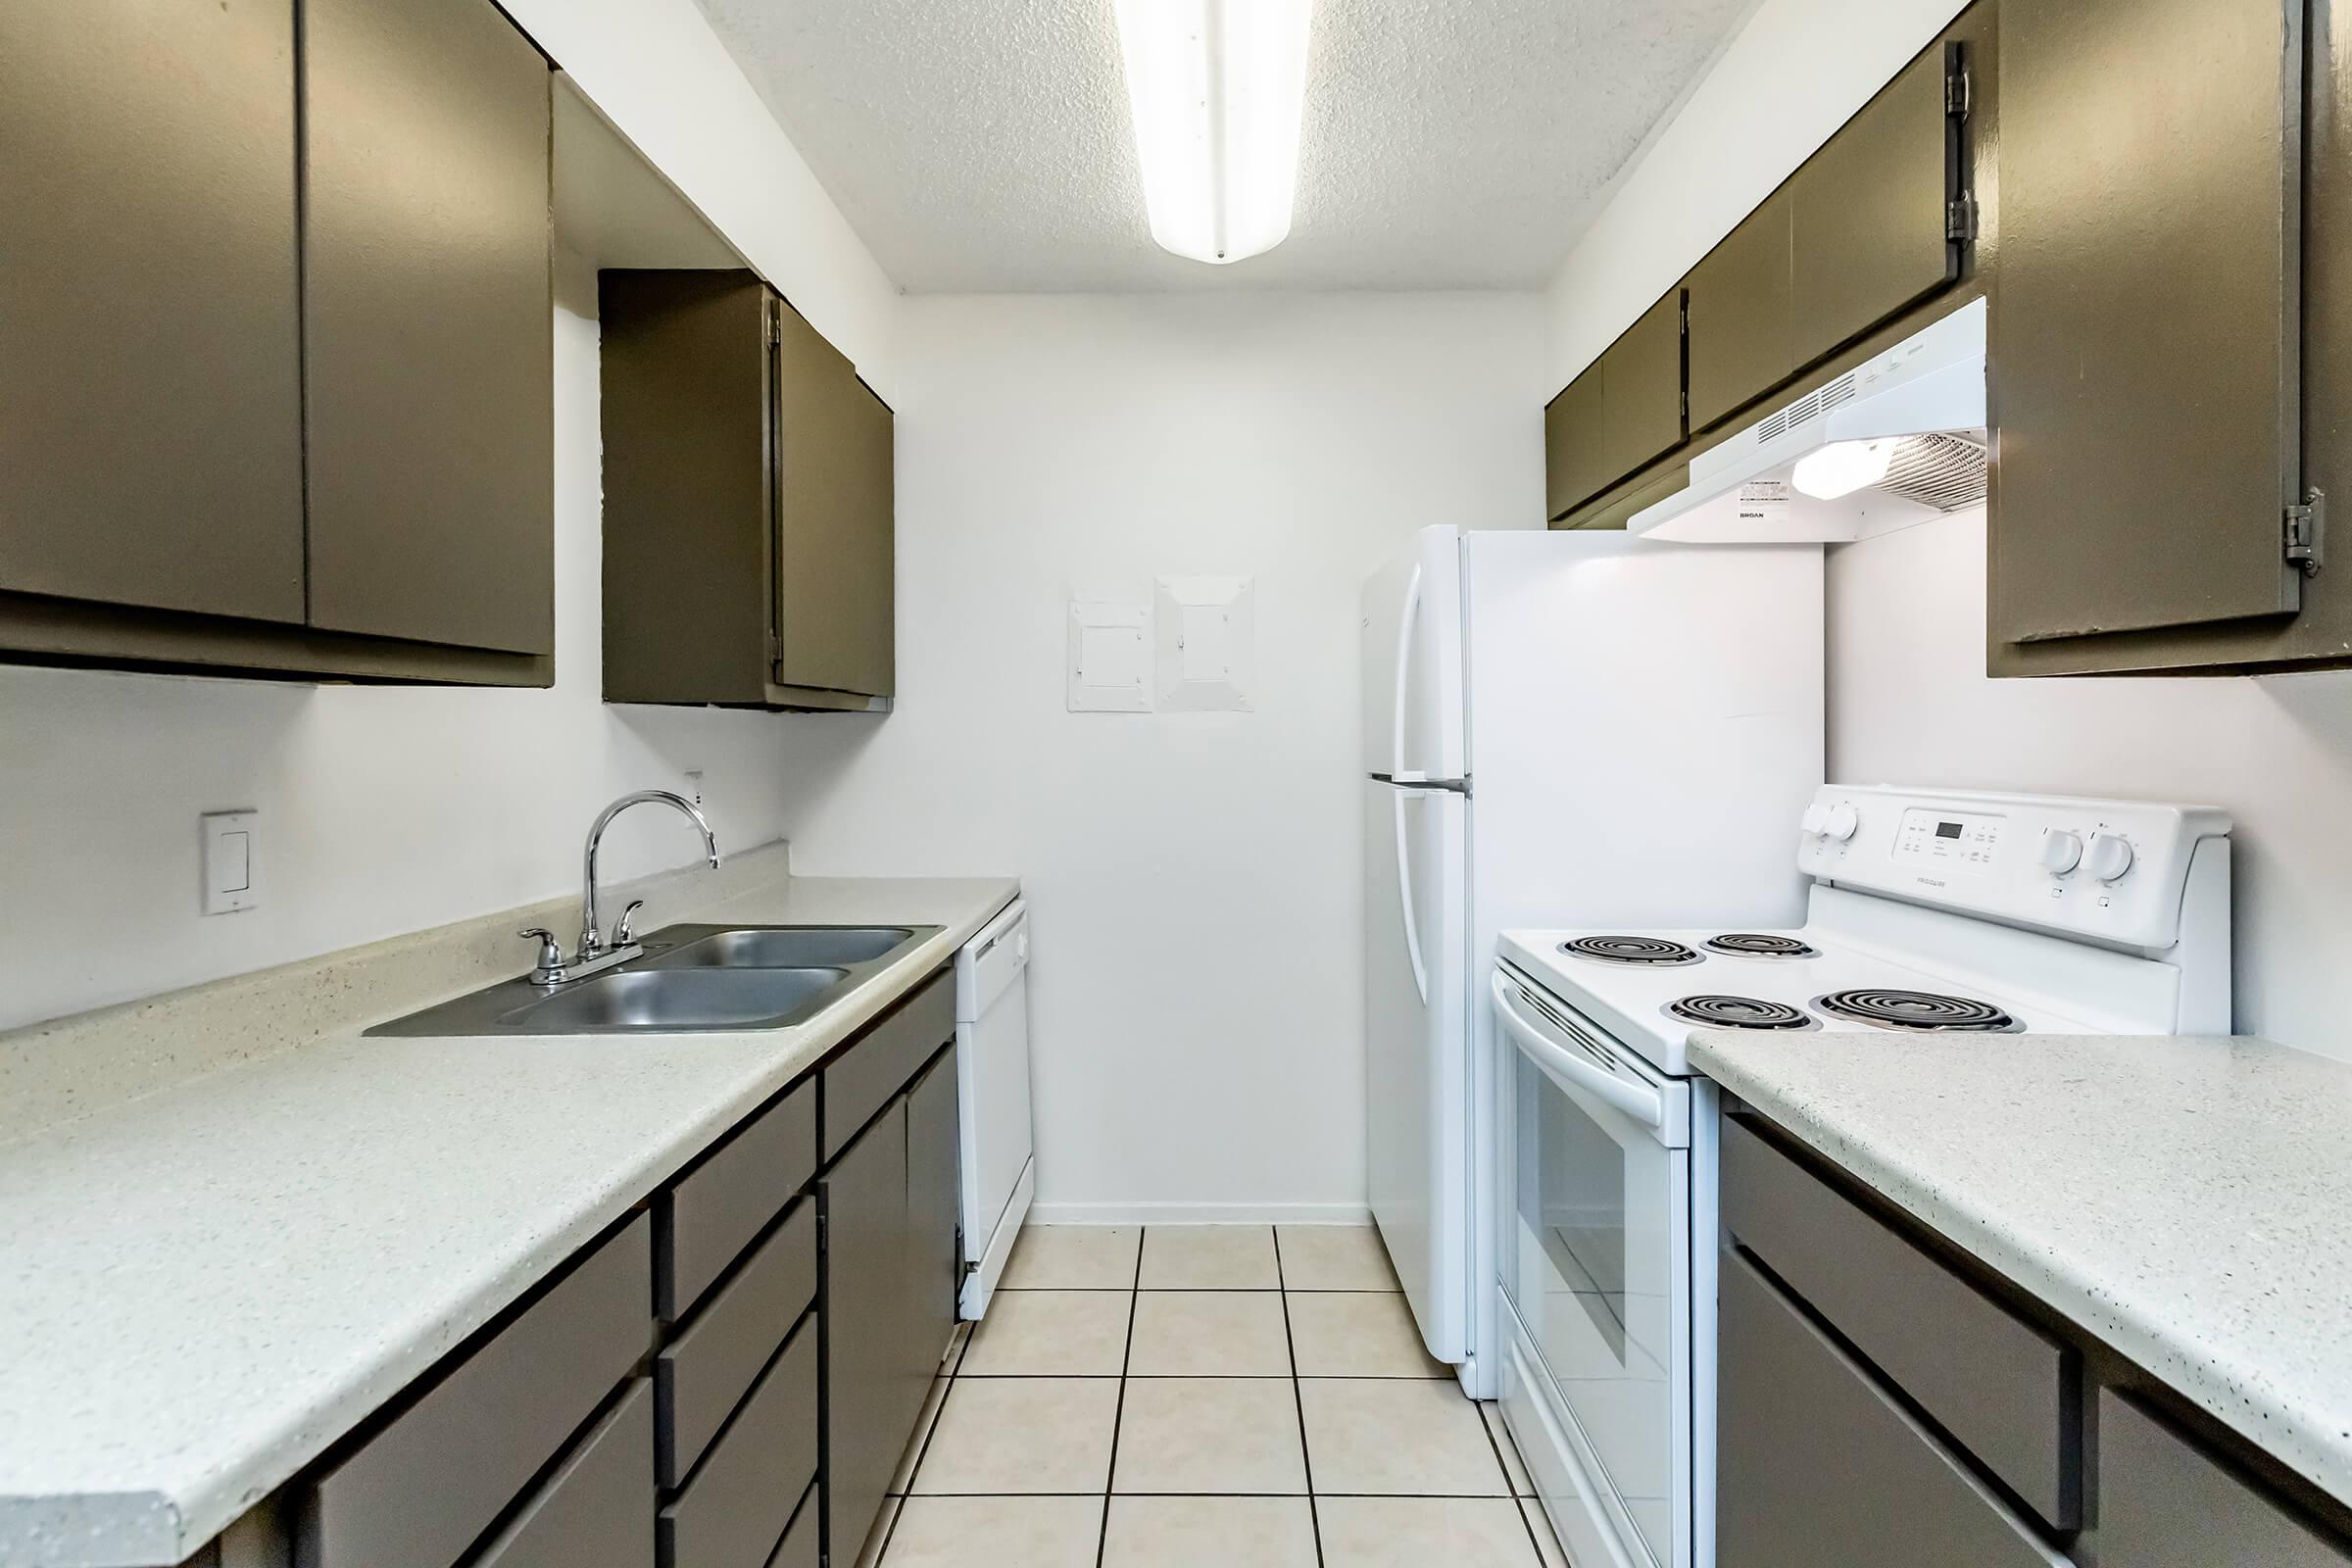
(203, 1288)
(2187, 1201)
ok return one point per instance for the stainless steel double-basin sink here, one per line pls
(692, 978)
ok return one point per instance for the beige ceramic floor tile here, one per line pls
(1046, 1334)
(1417, 1532)
(1072, 1257)
(1209, 1334)
(1021, 1435)
(880, 1536)
(1397, 1435)
(1209, 1533)
(1334, 1257)
(996, 1533)
(1547, 1540)
(922, 1429)
(1358, 1334)
(1196, 1435)
(1209, 1257)
(1512, 1466)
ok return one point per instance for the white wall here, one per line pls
(1797, 71)
(1195, 876)
(1909, 701)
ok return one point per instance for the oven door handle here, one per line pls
(1641, 1103)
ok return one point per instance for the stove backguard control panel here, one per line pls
(2114, 870)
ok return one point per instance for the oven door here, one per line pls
(1597, 1259)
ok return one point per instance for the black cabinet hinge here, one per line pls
(1959, 93)
(1960, 220)
(2307, 533)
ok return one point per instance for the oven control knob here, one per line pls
(2061, 850)
(1842, 822)
(2108, 857)
(1817, 820)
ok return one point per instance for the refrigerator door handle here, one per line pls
(1404, 666)
(1404, 897)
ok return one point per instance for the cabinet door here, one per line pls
(1817, 1465)
(1869, 224)
(1641, 390)
(934, 1173)
(150, 359)
(427, 337)
(866, 1287)
(836, 612)
(2164, 1504)
(1574, 444)
(2144, 349)
(1742, 340)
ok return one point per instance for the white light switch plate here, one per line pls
(232, 862)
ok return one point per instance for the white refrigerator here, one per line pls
(1560, 729)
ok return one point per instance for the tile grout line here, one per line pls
(1510, 1488)
(1306, 1461)
(1118, 1413)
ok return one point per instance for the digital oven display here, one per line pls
(1947, 830)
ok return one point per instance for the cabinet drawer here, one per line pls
(596, 1511)
(417, 1494)
(2005, 1390)
(709, 1215)
(804, 1541)
(871, 1072)
(2163, 1503)
(1817, 1465)
(702, 1373)
(735, 1511)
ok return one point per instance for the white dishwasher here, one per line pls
(991, 1054)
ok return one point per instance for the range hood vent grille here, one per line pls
(1812, 406)
(1939, 471)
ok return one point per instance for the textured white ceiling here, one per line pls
(984, 145)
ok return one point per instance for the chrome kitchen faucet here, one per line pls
(596, 954)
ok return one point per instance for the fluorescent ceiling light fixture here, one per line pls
(1218, 87)
(1844, 468)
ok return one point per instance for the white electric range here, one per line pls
(1928, 911)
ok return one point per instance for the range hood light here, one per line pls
(1844, 468)
(1217, 90)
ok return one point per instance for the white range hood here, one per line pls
(1896, 441)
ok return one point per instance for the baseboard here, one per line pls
(1044, 1213)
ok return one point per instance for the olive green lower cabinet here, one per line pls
(774, 1315)
(1875, 1403)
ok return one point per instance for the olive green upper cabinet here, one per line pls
(1742, 334)
(1876, 219)
(427, 336)
(1641, 390)
(150, 361)
(1574, 454)
(2146, 323)
(835, 557)
(748, 525)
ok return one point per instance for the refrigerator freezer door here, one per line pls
(1412, 659)
(1417, 1116)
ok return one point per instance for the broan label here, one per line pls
(1764, 504)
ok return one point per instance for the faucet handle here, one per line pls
(622, 933)
(551, 952)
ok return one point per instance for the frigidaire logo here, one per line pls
(1932, 882)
